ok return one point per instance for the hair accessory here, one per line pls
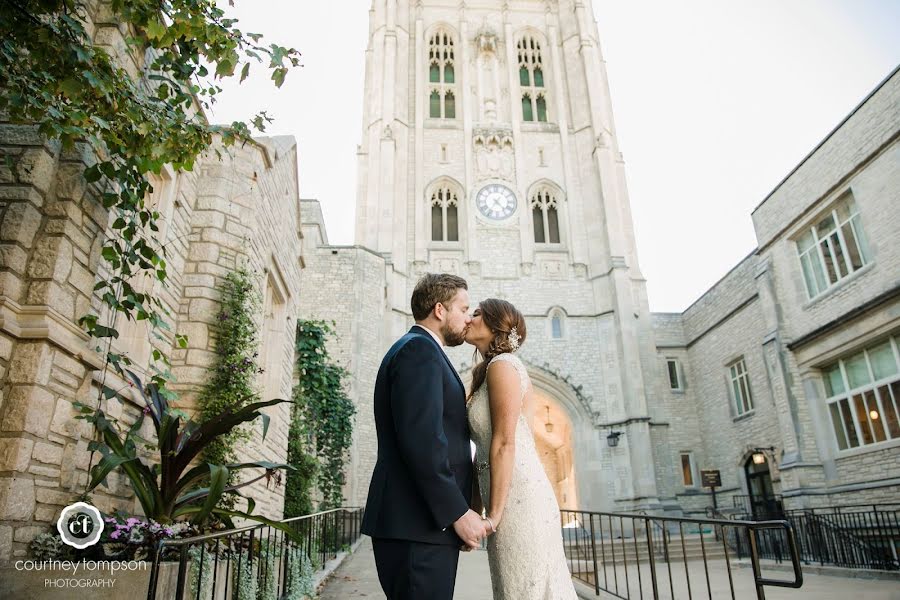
(514, 339)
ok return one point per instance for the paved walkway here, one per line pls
(357, 578)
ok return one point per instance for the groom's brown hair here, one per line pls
(433, 288)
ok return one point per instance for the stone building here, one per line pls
(240, 208)
(489, 150)
(796, 348)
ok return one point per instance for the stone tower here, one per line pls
(489, 150)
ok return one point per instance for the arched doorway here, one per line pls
(763, 503)
(552, 432)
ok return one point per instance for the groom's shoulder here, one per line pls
(412, 342)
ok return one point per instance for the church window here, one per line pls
(449, 106)
(541, 109)
(444, 215)
(740, 387)
(557, 326)
(441, 77)
(435, 105)
(527, 111)
(687, 469)
(531, 80)
(674, 372)
(833, 247)
(863, 395)
(545, 216)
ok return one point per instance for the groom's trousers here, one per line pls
(414, 570)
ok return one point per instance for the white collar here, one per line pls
(432, 334)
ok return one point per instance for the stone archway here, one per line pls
(552, 430)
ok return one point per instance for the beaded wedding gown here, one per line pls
(526, 553)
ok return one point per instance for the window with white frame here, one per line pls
(687, 469)
(740, 387)
(674, 372)
(441, 76)
(444, 214)
(832, 248)
(531, 80)
(545, 216)
(863, 396)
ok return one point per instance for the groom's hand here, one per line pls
(470, 528)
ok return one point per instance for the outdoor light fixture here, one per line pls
(613, 438)
(873, 414)
(759, 456)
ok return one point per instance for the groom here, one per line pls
(418, 511)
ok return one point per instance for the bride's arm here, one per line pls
(505, 396)
(477, 501)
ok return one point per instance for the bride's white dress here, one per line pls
(526, 554)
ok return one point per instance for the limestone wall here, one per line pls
(51, 231)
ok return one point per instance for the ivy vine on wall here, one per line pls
(321, 423)
(233, 379)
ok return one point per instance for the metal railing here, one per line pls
(862, 536)
(257, 559)
(620, 554)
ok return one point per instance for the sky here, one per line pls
(715, 102)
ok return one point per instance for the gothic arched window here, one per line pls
(545, 216)
(441, 76)
(531, 80)
(444, 214)
(557, 324)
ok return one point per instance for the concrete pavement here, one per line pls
(356, 578)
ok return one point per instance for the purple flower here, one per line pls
(115, 534)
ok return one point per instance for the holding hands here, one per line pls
(471, 528)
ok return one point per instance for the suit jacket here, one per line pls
(422, 480)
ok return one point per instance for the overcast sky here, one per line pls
(715, 101)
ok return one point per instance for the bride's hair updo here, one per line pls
(501, 317)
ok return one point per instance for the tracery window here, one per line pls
(531, 80)
(441, 76)
(545, 215)
(444, 214)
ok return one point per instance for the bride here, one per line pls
(525, 550)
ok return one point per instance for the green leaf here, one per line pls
(245, 71)
(218, 479)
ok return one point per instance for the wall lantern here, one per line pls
(613, 438)
(759, 455)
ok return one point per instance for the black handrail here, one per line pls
(314, 538)
(860, 536)
(599, 555)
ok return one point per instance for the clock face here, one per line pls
(496, 201)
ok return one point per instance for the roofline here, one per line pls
(827, 137)
(721, 279)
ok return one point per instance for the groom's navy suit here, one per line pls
(422, 482)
